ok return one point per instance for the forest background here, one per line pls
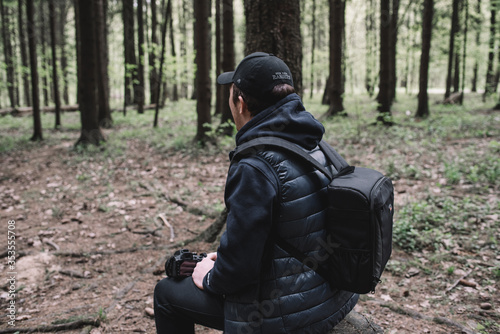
(108, 167)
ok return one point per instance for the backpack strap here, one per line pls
(259, 144)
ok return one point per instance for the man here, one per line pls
(251, 285)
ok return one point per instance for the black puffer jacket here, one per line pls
(267, 290)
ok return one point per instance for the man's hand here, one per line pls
(202, 268)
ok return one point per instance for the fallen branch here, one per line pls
(51, 244)
(458, 281)
(54, 328)
(165, 221)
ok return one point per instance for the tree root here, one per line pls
(54, 328)
(417, 315)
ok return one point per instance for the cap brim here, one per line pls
(225, 78)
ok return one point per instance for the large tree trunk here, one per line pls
(24, 55)
(228, 61)
(385, 82)
(129, 48)
(490, 75)
(104, 117)
(451, 51)
(203, 60)
(8, 54)
(87, 82)
(55, 80)
(37, 123)
(274, 26)
(153, 71)
(423, 100)
(336, 89)
(139, 91)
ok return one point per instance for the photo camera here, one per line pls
(182, 264)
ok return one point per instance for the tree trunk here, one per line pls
(477, 26)
(153, 72)
(218, 58)
(274, 26)
(175, 92)
(313, 47)
(8, 53)
(370, 48)
(139, 89)
(451, 51)
(423, 100)
(337, 24)
(24, 55)
(385, 82)
(129, 48)
(55, 80)
(203, 60)
(228, 61)
(78, 39)
(394, 42)
(464, 51)
(162, 60)
(43, 57)
(490, 76)
(63, 11)
(104, 117)
(37, 123)
(87, 84)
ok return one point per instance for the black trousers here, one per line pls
(179, 304)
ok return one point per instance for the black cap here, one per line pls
(257, 74)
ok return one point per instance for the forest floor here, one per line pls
(90, 245)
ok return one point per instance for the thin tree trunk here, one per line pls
(8, 54)
(464, 52)
(370, 49)
(55, 80)
(78, 39)
(477, 27)
(451, 51)
(313, 47)
(162, 60)
(153, 72)
(129, 49)
(87, 84)
(423, 100)
(203, 60)
(228, 61)
(139, 91)
(44, 58)
(175, 92)
(337, 24)
(63, 11)
(490, 76)
(104, 116)
(385, 82)
(24, 55)
(394, 38)
(37, 123)
(218, 58)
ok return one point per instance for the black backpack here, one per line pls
(360, 218)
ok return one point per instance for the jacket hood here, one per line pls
(286, 119)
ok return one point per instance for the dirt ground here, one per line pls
(89, 244)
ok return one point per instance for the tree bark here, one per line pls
(55, 80)
(370, 48)
(87, 84)
(313, 46)
(63, 11)
(24, 55)
(37, 123)
(477, 27)
(139, 91)
(490, 76)
(423, 100)
(43, 56)
(394, 42)
(228, 61)
(451, 51)
(336, 89)
(8, 54)
(153, 72)
(175, 91)
(385, 82)
(218, 58)
(129, 49)
(203, 60)
(104, 117)
(274, 26)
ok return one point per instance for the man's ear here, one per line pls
(243, 107)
